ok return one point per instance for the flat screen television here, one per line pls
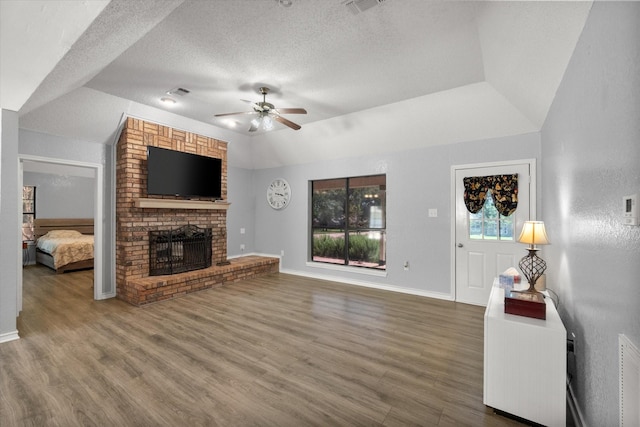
(174, 173)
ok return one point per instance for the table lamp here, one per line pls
(531, 265)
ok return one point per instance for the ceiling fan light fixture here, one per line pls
(267, 123)
(267, 114)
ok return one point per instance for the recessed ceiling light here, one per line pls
(230, 123)
(167, 100)
(285, 3)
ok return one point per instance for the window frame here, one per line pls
(28, 237)
(350, 224)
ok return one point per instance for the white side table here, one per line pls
(525, 363)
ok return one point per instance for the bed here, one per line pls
(64, 244)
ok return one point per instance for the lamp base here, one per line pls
(532, 267)
(532, 289)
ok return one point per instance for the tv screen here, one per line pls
(174, 173)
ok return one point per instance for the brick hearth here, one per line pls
(157, 288)
(133, 223)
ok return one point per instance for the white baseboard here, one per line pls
(252, 254)
(576, 413)
(411, 291)
(106, 295)
(392, 288)
(9, 336)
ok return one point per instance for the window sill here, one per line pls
(348, 269)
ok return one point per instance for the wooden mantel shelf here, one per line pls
(180, 204)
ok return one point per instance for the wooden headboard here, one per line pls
(44, 225)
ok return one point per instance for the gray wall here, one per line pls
(241, 213)
(44, 145)
(417, 180)
(62, 196)
(9, 235)
(590, 160)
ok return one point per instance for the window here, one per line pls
(489, 224)
(348, 221)
(28, 211)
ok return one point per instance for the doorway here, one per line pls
(485, 243)
(97, 170)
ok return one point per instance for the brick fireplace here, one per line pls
(134, 219)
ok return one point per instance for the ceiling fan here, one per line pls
(267, 113)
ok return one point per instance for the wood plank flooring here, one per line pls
(278, 350)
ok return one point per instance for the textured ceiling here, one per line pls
(318, 55)
(34, 36)
(314, 54)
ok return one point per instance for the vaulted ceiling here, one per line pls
(73, 69)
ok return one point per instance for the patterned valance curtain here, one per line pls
(475, 192)
(504, 189)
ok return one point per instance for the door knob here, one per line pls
(460, 245)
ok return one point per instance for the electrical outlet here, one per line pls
(242, 247)
(242, 230)
(406, 265)
(433, 213)
(282, 252)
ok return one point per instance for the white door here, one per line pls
(486, 242)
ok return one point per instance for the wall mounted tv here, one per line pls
(174, 173)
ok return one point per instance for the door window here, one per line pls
(489, 224)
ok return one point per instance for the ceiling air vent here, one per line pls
(357, 6)
(179, 91)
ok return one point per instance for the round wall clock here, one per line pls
(278, 193)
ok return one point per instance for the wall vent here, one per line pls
(180, 91)
(629, 382)
(357, 6)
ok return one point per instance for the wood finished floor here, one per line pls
(279, 350)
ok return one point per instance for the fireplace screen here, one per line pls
(176, 251)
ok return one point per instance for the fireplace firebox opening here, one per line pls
(178, 250)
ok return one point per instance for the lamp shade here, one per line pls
(533, 233)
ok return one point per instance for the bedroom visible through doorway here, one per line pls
(60, 169)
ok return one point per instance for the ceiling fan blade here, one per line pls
(286, 122)
(291, 111)
(234, 114)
